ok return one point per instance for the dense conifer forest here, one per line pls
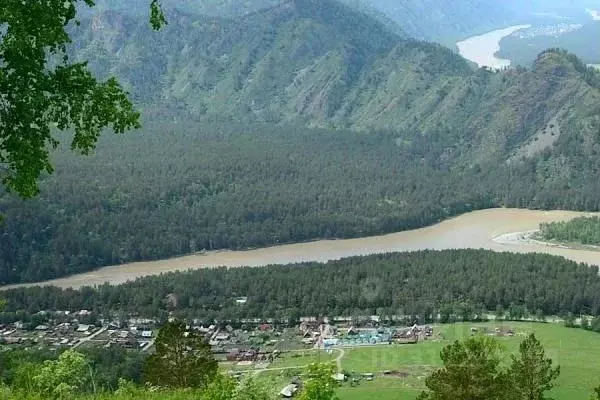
(177, 189)
(430, 285)
(584, 230)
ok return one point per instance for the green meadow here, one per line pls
(575, 350)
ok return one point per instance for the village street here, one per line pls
(92, 336)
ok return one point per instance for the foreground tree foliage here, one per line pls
(596, 395)
(248, 389)
(39, 87)
(53, 379)
(183, 359)
(320, 384)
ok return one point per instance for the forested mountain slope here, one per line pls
(440, 21)
(326, 65)
(225, 158)
(259, 66)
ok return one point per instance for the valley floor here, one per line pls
(400, 370)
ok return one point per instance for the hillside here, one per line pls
(256, 67)
(402, 134)
(324, 64)
(443, 22)
(451, 20)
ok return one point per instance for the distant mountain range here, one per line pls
(433, 20)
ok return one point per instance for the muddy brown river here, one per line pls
(494, 229)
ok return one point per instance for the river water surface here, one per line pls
(487, 229)
(482, 49)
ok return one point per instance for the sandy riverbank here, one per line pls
(529, 238)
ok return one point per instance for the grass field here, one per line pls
(302, 358)
(575, 350)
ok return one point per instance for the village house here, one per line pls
(146, 334)
(115, 325)
(63, 327)
(223, 336)
(241, 300)
(129, 343)
(141, 321)
(12, 340)
(124, 334)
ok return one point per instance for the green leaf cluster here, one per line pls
(40, 88)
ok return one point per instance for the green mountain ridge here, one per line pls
(323, 64)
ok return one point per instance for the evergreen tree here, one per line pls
(183, 359)
(531, 373)
(471, 371)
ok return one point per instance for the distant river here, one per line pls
(487, 229)
(481, 49)
(594, 14)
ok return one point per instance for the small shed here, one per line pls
(339, 377)
(289, 391)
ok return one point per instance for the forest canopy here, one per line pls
(583, 230)
(428, 285)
